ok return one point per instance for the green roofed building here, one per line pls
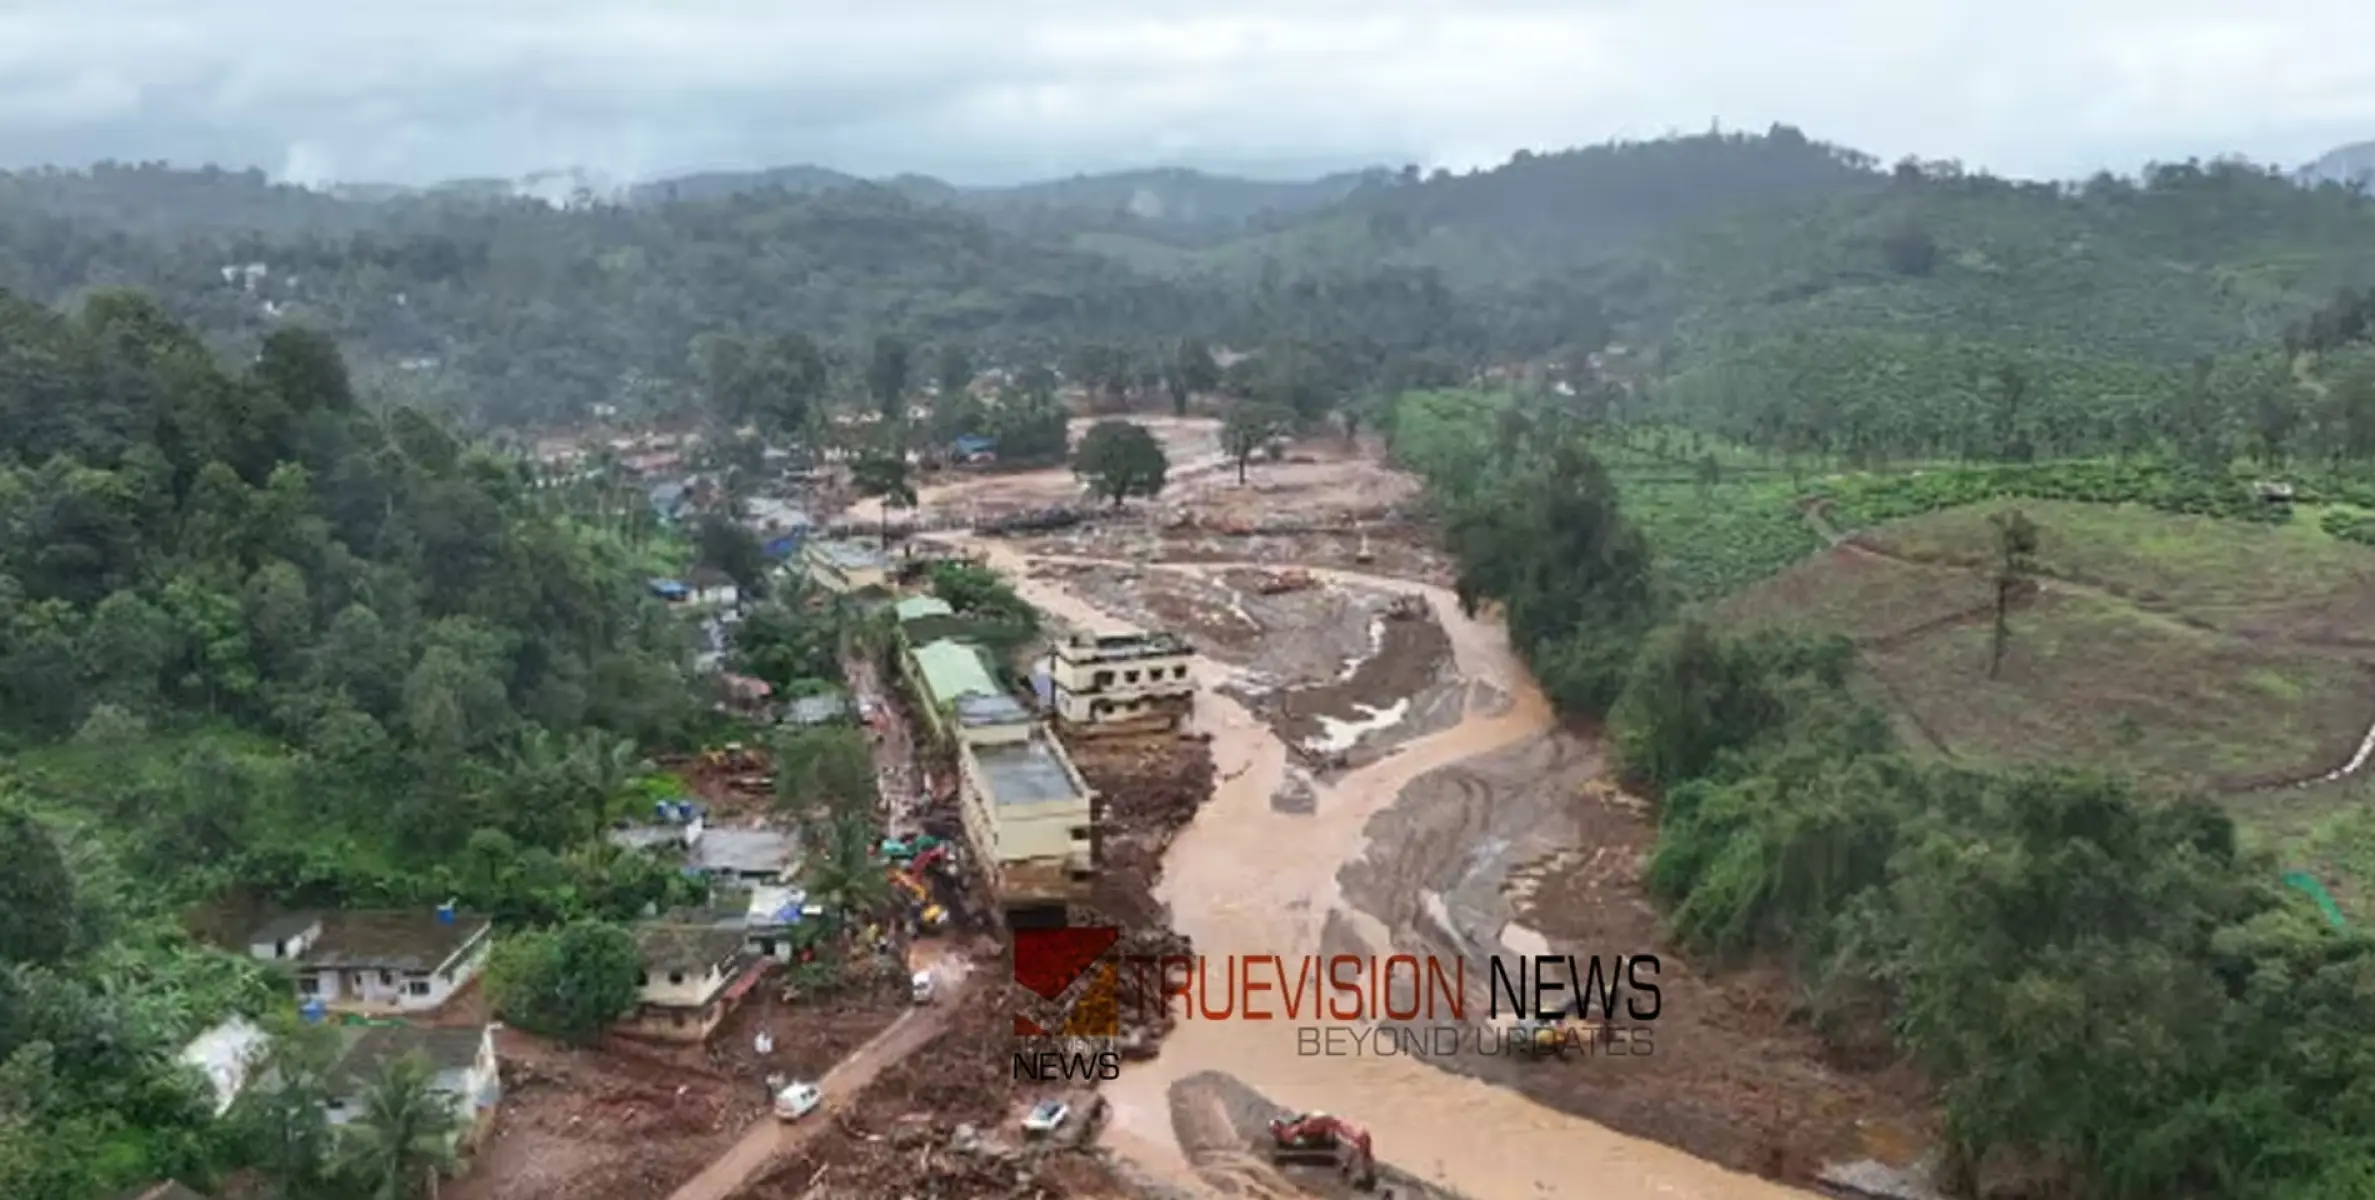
(960, 695)
(916, 608)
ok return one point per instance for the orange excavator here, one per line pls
(1317, 1136)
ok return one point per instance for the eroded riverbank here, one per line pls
(1250, 877)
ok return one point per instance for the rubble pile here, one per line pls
(1151, 787)
(941, 1124)
(1145, 1017)
(733, 781)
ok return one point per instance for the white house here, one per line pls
(467, 1074)
(689, 973)
(384, 961)
(1126, 682)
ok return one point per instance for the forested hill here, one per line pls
(1173, 205)
(152, 198)
(257, 641)
(518, 312)
(1879, 317)
(1168, 205)
(1542, 214)
(515, 312)
(1766, 274)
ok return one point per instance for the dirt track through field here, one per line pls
(1248, 879)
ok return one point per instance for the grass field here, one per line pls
(2185, 649)
(2292, 581)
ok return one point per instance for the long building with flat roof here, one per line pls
(1027, 811)
(1030, 817)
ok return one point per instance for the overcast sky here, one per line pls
(987, 91)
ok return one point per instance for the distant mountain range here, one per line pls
(2354, 163)
(1178, 198)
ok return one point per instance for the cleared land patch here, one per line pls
(2088, 679)
(2187, 649)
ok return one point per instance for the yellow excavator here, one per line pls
(1546, 1036)
(931, 915)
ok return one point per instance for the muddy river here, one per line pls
(1246, 878)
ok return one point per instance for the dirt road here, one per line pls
(771, 1139)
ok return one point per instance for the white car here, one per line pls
(1046, 1117)
(920, 987)
(797, 1101)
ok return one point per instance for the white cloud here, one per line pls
(442, 88)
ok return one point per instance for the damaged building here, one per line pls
(1122, 683)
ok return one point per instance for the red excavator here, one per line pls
(923, 862)
(1318, 1136)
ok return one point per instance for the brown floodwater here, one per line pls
(1248, 879)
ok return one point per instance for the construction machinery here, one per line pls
(1542, 1037)
(903, 849)
(931, 854)
(929, 914)
(1319, 1137)
(733, 756)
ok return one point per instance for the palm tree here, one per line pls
(571, 779)
(404, 1134)
(284, 1123)
(847, 875)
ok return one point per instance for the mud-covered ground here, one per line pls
(1525, 851)
(1223, 1128)
(631, 1120)
(943, 1123)
(1151, 786)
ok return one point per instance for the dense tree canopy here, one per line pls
(258, 639)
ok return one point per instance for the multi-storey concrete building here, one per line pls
(1122, 682)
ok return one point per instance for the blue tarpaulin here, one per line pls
(973, 445)
(783, 547)
(670, 589)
